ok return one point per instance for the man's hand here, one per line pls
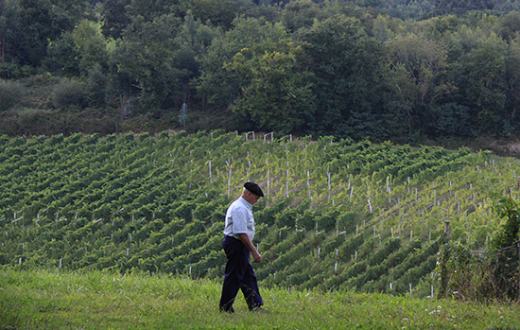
(247, 242)
(257, 256)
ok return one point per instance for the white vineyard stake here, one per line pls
(287, 181)
(229, 178)
(309, 185)
(209, 170)
(268, 181)
(328, 186)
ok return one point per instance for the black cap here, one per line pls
(254, 188)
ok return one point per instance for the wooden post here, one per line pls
(2, 50)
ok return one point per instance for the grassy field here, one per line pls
(97, 300)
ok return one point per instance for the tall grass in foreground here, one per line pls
(101, 300)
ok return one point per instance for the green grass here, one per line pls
(101, 300)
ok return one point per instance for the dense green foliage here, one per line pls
(338, 214)
(344, 68)
(95, 300)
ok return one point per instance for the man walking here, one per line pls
(239, 232)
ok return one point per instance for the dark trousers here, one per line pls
(239, 275)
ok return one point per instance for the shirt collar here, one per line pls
(246, 203)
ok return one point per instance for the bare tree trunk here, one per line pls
(2, 49)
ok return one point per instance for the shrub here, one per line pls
(69, 93)
(10, 94)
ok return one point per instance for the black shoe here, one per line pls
(258, 309)
(229, 310)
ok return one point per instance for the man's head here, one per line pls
(252, 192)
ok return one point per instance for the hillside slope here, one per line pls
(338, 214)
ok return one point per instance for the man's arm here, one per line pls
(247, 242)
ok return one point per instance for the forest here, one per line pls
(362, 68)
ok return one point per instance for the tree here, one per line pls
(193, 40)
(510, 25)
(299, 13)
(91, 45)
(513, 84)
(63, 56)
(32, 30)
(151, 63)
(220, 87)
(219, 12)
(417, 64)
(279, 96)
(150, 10)
(6, 21)
(115, 17)
(347, 67)
(479, 74)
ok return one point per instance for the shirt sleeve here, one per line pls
(239, 217)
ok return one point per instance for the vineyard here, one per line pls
(338, 214)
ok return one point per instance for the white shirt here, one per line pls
(239, 219)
